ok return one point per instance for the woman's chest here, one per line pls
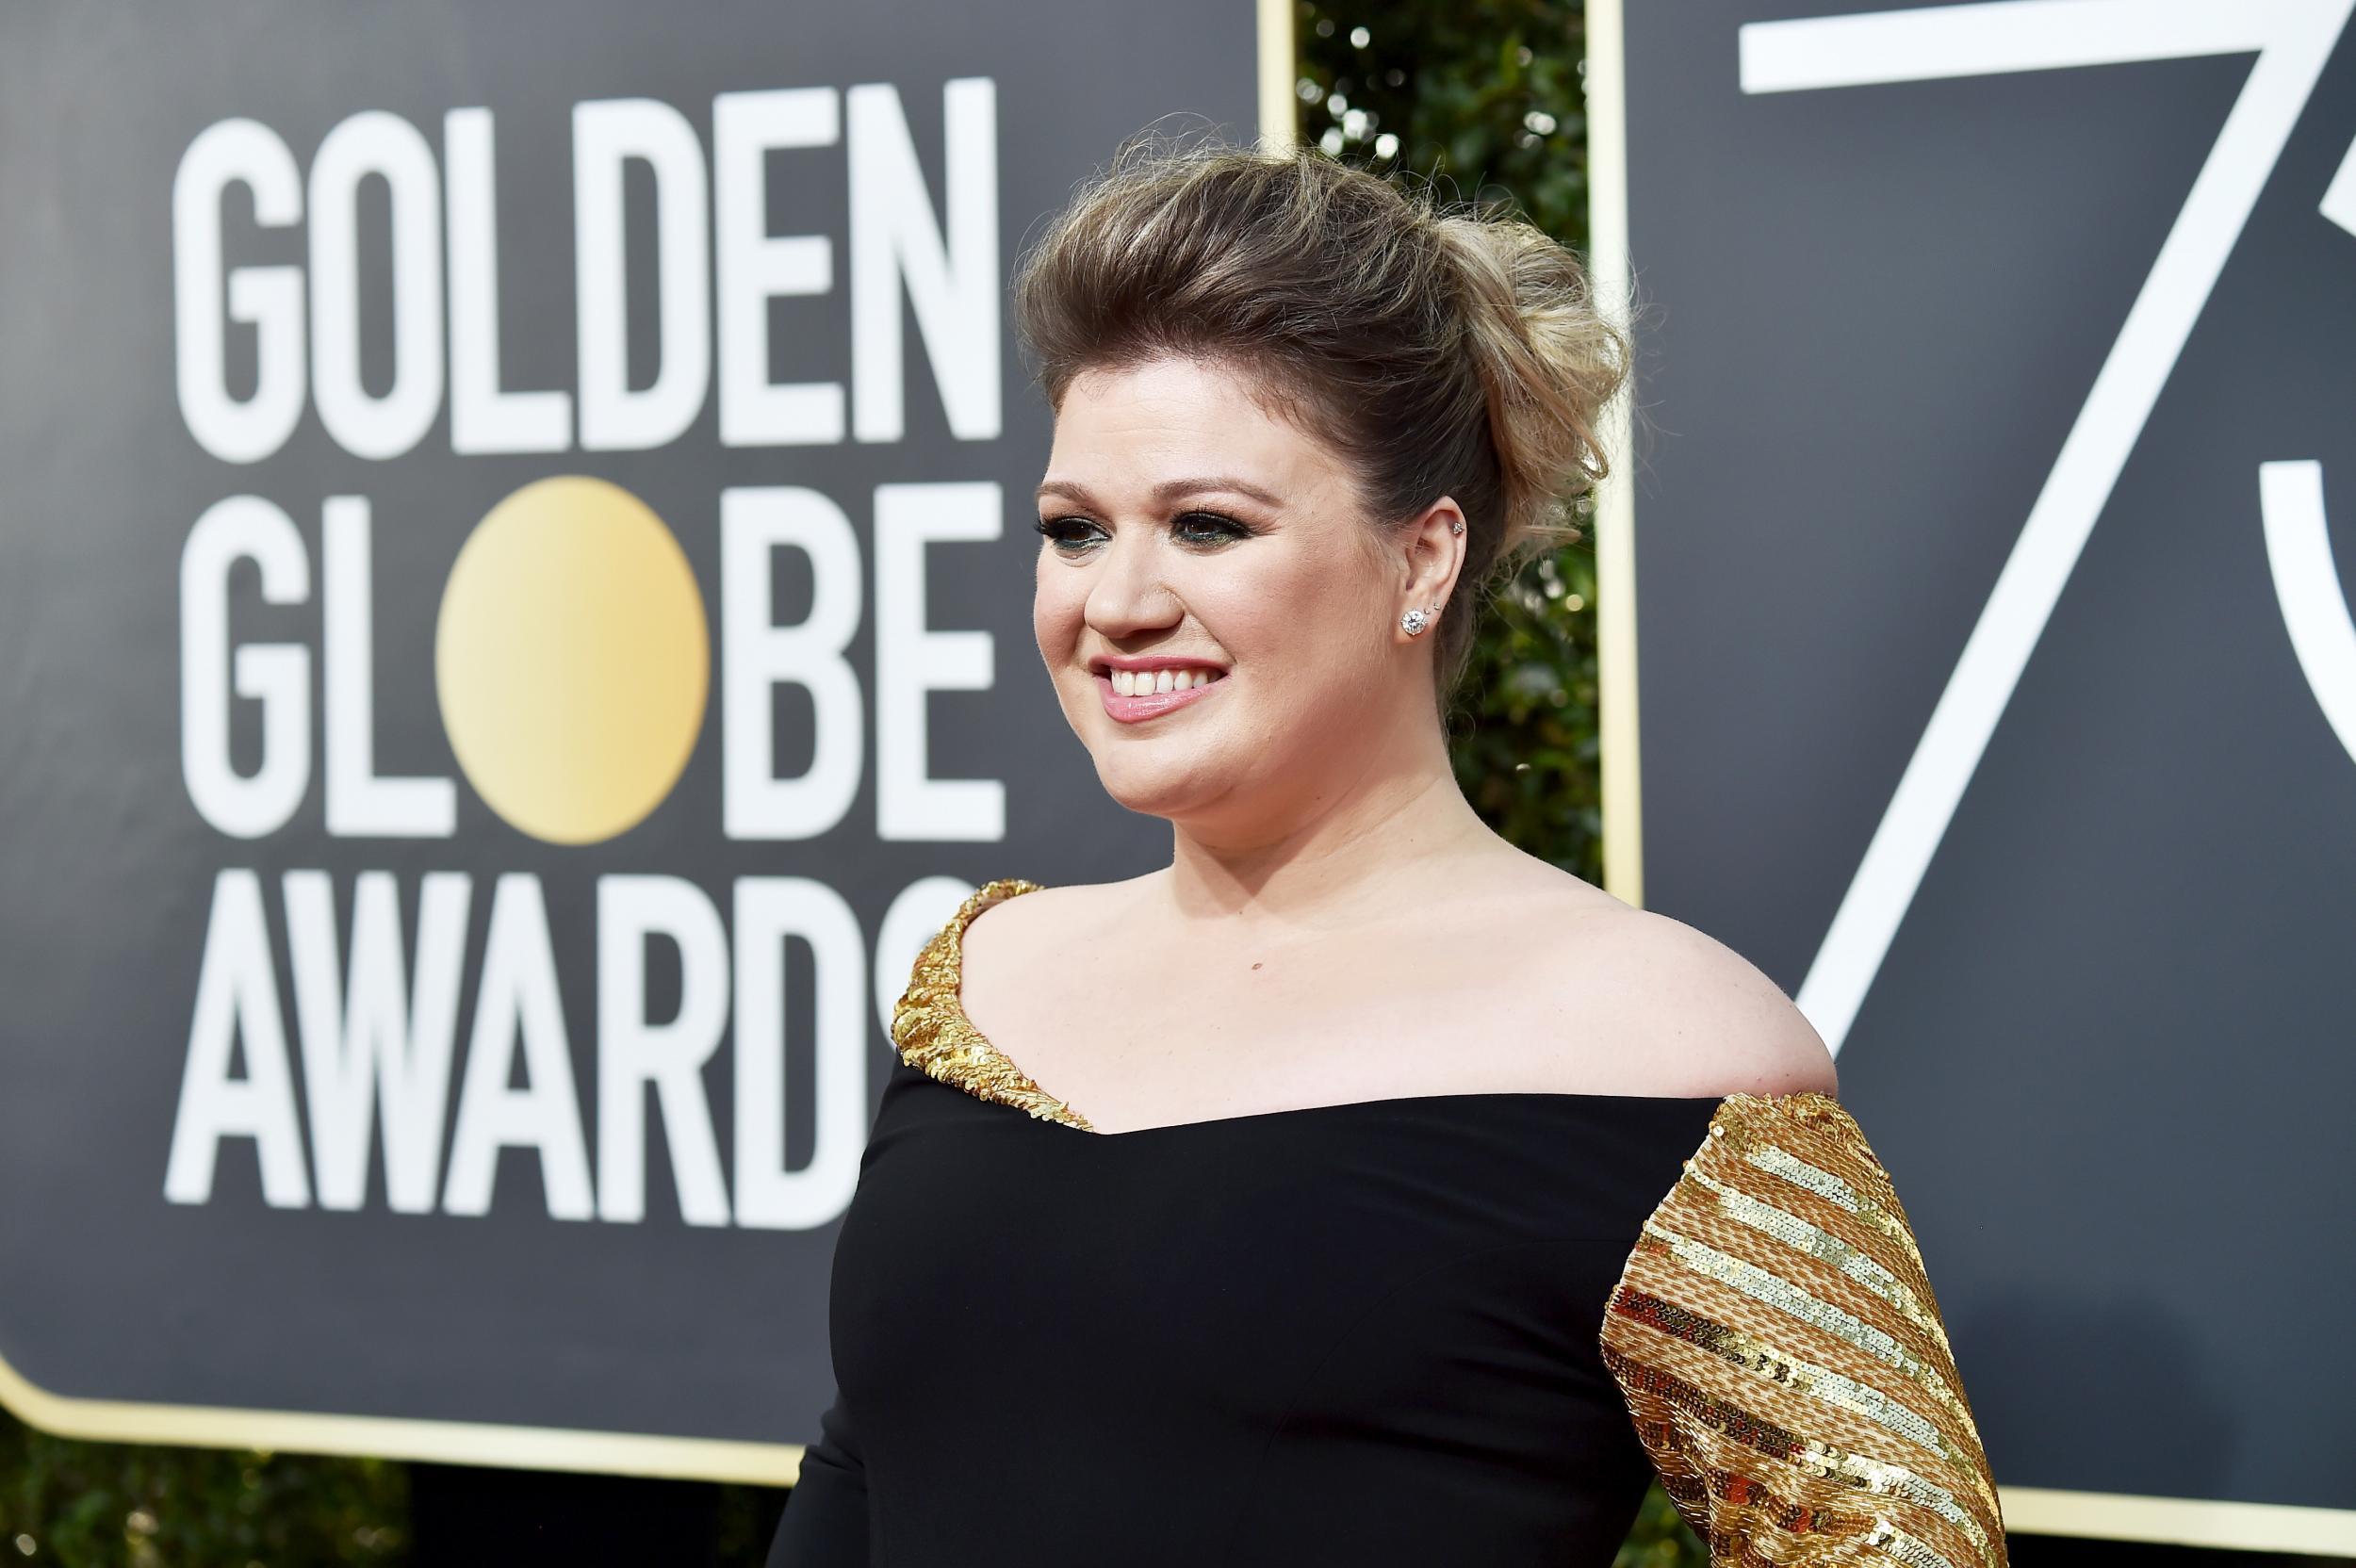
(1134, 1056)
(1359, 1263)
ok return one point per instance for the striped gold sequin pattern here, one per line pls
(1782, 1356)
(932, 1032)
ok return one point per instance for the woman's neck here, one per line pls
(1348, 845)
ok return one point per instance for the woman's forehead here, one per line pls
(1145, 426)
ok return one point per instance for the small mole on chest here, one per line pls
(1255, 966)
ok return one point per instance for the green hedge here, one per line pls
(1483, 101)
(92, 1503)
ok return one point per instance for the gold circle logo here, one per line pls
(572, 659)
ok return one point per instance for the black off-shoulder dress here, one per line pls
(1401, 1332)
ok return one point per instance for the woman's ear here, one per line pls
(1433, 549)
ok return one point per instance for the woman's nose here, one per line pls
(1129, 593)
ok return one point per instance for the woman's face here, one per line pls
(1219, 618)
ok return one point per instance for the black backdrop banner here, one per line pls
(514, 611)
(1999, 689)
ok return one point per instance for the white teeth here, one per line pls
(1138, 683)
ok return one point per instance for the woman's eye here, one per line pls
(1075, 535)
(1069, 534)
(1209, 528)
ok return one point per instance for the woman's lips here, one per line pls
(1153, 705)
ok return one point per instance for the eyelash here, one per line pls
(1230, 529)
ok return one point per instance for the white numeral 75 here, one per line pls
(2292, 40)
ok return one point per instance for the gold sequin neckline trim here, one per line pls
(933, 1034)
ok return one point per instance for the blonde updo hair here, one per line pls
(1441, 352)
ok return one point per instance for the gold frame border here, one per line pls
(2180, 1521)
(1615, 499)
(1280, 115)
(480, 1443)
(2028, 1510)
(392, 1437)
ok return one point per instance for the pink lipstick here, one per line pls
(1152, 704)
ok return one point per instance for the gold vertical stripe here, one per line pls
(1615, 499)
(1278, 109)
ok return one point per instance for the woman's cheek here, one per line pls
(1054, 623)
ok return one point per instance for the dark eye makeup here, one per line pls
(1210, 528)
(1069, 534)
(1199, 527)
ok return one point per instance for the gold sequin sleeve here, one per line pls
(1776, 1338)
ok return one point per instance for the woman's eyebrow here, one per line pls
(1176, 488)
(1169, 490)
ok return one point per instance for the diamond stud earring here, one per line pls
(1413, 622)
(1457, 527)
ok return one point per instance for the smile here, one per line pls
(1133, 695)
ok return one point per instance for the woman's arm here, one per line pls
(1778, 1345)
(826, 1515)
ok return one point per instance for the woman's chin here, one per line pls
(1156, 791)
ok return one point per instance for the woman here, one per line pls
(1325, 1196)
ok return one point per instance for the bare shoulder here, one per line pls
(1687, 1014)
(1047, 920)
(1610, 998)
